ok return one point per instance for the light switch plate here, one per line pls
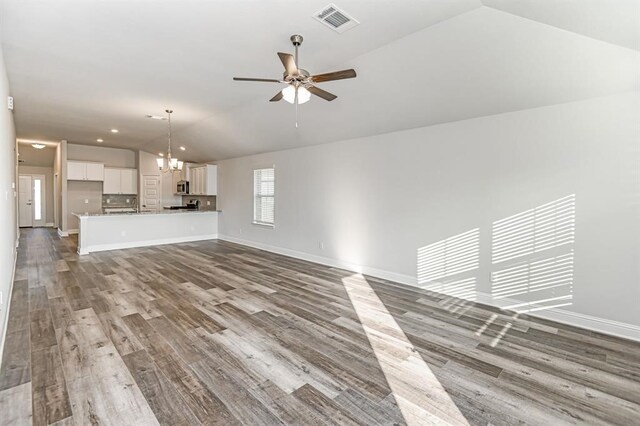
(86, 201)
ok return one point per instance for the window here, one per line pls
(37, 198)
(264, 196)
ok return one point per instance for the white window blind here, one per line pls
(264, 196)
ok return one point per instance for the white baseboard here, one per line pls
(62, 233)
(335, 263)
(72, 231)
(7, 302)
(49, 225)
(602, 325)
(589, 322)
(132, 244)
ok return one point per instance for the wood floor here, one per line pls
(217, 333)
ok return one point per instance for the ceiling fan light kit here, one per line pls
(300, 83)
(289, 94)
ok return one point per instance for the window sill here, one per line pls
(264, 225)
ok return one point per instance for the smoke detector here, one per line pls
(335, 18)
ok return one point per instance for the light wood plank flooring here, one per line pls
(217, 333)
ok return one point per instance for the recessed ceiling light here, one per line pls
(183, 148)
(161, 154)
(114, 130)
(99, 140)
(155, 117)
(38, 145)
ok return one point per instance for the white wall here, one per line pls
(8, 226)
(48, 186)
(111, 157)
(373, 202)
(57, 173)
(77, 192)
(60, 167)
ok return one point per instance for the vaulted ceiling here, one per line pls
(79, 68)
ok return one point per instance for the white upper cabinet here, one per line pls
(95, 171)
(129, 181)
(76, 171)
(120, 181)
(111, 183)
(204, 180)
(82, 170)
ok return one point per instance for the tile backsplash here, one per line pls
(203, 201)
(117, 201)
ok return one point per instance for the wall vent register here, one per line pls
(335, 18)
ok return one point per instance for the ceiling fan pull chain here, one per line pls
(296, 102)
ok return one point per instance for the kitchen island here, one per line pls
(112, 231)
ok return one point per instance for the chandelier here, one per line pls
(173, 164)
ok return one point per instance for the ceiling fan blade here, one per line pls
(289, 63)
(321, 93)
(277, 97)
(266, 80)
(336, 75)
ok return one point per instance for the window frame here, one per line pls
(257, 195)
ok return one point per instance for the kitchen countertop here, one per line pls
(162, 212)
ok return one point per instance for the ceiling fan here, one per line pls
(300, 83)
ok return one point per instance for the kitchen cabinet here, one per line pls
(204, 180)
(82, 170)
(111, 183)
(120, 181)
(129, 181)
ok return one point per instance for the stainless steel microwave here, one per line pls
(183, 187)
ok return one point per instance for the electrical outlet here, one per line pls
(321, 245)
(128, 201)
(208, 202)
(10, 103)
(108, 200)
(86, 201)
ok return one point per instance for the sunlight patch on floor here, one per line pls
(419, 394)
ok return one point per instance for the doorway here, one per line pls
(31, 201)
(150, 193)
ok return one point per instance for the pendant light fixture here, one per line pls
(173, 164)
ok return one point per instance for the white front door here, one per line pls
(25, 201)
(150, 193)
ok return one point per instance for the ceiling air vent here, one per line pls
(335, 18)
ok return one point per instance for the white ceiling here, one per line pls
(79, 68)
